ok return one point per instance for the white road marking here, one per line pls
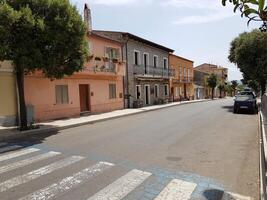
(9, 148)
(68, 183)
(28, 161)
(232, 196)
(37, 173)
(18, 153)
(177, 190)
(122, 186)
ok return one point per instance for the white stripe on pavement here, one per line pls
(18, 153)
(177, 190)
(122, 186)
(37, 173)
(68, 183)
(232, 196)
(28, 161)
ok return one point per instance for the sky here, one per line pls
(200, 30)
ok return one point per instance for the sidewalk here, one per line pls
(57, 125)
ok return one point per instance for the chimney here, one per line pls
(88, 18)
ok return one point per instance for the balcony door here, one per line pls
(146, 62)
(147, 94)
(84, 91)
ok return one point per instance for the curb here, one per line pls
(12, 135)
(263, 157)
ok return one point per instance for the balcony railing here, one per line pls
(153, 71)
(183, 80)
(109, 69)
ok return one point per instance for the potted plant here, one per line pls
(97, 58)
(105, 59)
(90, 57)
(115, 60)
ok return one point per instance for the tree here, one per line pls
(229, 89)
(249, 52)
(41, 35)
(254, 10)
(234, 85)
(212, 83)
(221, 88)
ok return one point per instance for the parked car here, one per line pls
(245, 100)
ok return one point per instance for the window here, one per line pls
(181, 73)
(156, 91)
(62, 94)
(166, 90)
(136, 57)
(138, 92)
(146, 59)
(165, 63)
(155, 61)
(112, 53)
(112, 91)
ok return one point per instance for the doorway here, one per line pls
(84, 91)
(147, 94)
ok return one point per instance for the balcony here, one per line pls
(183, 80)
(149, 71)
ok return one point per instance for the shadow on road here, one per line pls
(213, 194)
(24, 141)
(241, 112)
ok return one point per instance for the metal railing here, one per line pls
(183, 80)
(153, 71)
(263, 154)
(107, 69)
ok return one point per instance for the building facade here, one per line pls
(97, 88)
(8, 95)
(181, 84)
(222, 75)
(200, 85)
(147, 69)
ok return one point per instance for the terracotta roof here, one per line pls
(182, 58)
(132, 36)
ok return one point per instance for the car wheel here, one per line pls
(235, 110)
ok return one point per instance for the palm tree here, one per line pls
(212, 83)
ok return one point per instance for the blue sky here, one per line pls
(200, 30)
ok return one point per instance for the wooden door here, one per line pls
(84, 91)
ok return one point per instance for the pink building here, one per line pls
(98, 88)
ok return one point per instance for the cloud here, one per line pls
(200, 19)
(204, 11)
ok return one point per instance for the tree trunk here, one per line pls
(212, 93)
(22, 105)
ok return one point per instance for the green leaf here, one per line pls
(250, 11)
(261, 5)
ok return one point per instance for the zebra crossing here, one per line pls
(119, 188)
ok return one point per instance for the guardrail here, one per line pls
(263, 157)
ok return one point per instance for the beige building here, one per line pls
(8, 99)
(221, 72)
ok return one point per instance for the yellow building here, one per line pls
(182, 87)
(8, 100)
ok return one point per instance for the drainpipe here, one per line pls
(127, 75)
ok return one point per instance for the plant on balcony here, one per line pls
(97, 58)
(115, 60)
(90, 57)
(105, 59)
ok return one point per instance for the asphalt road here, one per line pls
(205, 146)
